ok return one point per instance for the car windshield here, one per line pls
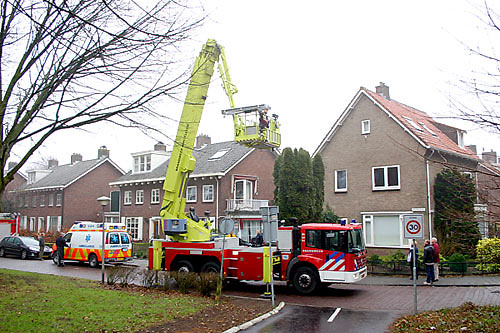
(356, 242)
(28, 241)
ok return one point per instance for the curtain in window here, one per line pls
(386, 230)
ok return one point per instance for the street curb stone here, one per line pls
(252, 322)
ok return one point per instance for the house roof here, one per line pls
(64, 175)
(215, 159)
(423, 128)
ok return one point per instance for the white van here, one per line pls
(84, 243)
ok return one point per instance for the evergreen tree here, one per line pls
(298, 185)
(318, 170)
(454, 219)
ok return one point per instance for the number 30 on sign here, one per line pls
(413, 226)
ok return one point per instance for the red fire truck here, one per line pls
(305, 256)
(8, 224)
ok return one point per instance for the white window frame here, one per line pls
(32, 223)
(142, 163)
(365, 126)
(131, 221)
(59, 199)
(42, 200)
(139, 197)
(460, 139)
(208, 189)
(386, 178)
(51, 200)
(369, 217)
(127, 197)
(155, 196)
(337, 189)
(413, 124)
(191, 197)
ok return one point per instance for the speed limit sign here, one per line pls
(413, 226)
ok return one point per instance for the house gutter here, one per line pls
(427, 179)
(217, 204)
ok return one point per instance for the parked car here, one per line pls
(23, 247)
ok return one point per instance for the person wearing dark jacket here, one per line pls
(41, 243)
(429, 262)
(60, 243)
(258, 240)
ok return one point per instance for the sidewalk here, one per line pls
(491, 280)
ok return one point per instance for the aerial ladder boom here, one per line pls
(179, 226)
(182, 162)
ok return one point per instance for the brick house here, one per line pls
(9, 197)
(55, 197)
(229, 180)
(381, 159)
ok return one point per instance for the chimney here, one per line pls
(202, 140)
(383, 90)
(490, 156)
(473, 148)
(11, 165)
(53, 163)
(75, 157)
(102, 152)
(160, 146)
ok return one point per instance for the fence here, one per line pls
(402, 267)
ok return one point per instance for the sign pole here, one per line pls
(413, 229)
(414, 276)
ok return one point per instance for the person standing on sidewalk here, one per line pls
(41, 243)
(429, 262)
(410, 259)
(61, 243)
(435, 245)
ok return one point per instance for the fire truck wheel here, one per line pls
(210, 267)
(93, 261)
(305, 280)
(185, 266)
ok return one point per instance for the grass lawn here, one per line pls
(32, 302)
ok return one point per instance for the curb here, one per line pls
(252, 322)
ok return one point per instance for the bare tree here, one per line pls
(480, 96)
(70, 63)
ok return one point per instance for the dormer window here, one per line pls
(142, 163)
(31, 177)
(413, 124)
(460, 139)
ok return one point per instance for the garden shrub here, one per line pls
(457, 263)
(148, 278)
(186, 280)
(207, 283)
(488, 254)
(374, 259)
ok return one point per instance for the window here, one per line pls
(365, 127)
(127, 197)
(58, 199)
(460, 138)
(124, 238)
(249, 229)
(385, 178)
(208, 193)
(243, 190)
(32, 223)
(340, 180)
(413, 124)
(155, 196)
(114, 239)
(53, 224)
(428, 129)
(325, 239)
(383, 230)
(139, 197)
(142, 163)
(42, 200)
(26, 200)
(51, 200)
(219, 154)
(191, 194)
(134, 227)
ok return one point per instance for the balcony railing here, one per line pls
(235, 205)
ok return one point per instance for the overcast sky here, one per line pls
(307, 60)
